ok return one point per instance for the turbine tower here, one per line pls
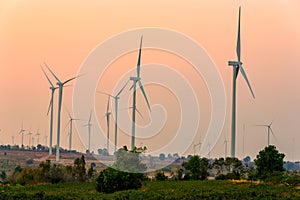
(71, 130)
(269, 130)
(50, 108)
(22, 133)
(237, 66)
(38, 137)
(107, 114)
(116, 98)
(29, 134)
(89, 124)
(137, 79)
(60, 95)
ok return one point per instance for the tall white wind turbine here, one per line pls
(38, 136)
(237, 66)
(29, 137)
(50, 108)
(116, 98)
(60, 90)
(137, 79)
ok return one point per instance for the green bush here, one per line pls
(160, 176)
(111, 180)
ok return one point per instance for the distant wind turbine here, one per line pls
(136, 80)
(71, 119)
(195, 145)
(237, 65)
(29, 135)
(269, 130)
(107, 114)
(116, 98)
(89, 124)
(38, 136)
(60, 90)
(225, 151)
(50, 108)
(22, 131)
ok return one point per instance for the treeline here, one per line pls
(52, 173)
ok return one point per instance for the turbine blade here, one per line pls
(131, 87)
(122, 89)
(238, 45)
(139, 58)
(107, 108)
(143, 91)
(49, 107)
(139, 113)
(90, 117)
(53, 73)
(273, 135)
(105, 94)
(47, 77)
(69, 80)
(246, 79)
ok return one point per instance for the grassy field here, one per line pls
(155, 190)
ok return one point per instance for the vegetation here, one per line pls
(155, 190)
(125, 174)
(269, 161)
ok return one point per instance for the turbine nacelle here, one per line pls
(234, 63)
(135, 78)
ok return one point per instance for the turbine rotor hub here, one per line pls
(135, 78)
(234, 63)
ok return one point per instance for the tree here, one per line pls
(162, 156)
(269, 161)
(79, 169)
(193, 165)
(125, 173)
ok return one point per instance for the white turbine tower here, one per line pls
(38, 137)
(269, 131)
(71, 119)
(89, 124)
(237, 65)
(29, 137)
(60, 90)
(107, 114)
(116, 98)
(50, 108)
(136, 80)
(22, 131)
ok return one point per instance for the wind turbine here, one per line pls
(71, 130)
(29, 134)
(137, 79)
(269, 130)
(89, 132)
(38, 136)
(116, 98)
(22, 132)
(237, 66)
(60, 95)
(46, 138)
(225, 144)
(50, 108)
(195, 147)
(107, 114)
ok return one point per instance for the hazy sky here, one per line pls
(64, 34)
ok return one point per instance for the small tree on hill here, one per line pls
(268, 161)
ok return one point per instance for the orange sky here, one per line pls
(63, 34)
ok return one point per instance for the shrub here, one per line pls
(160, 176)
